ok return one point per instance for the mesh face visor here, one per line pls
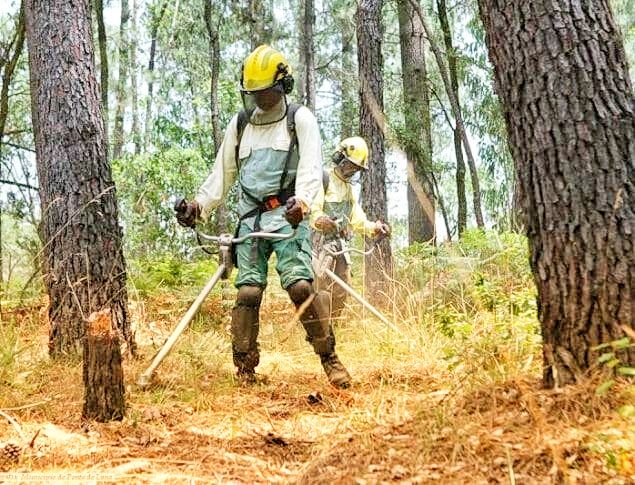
(268, 101)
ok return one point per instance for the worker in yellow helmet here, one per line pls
(273, 149)
(336, 214)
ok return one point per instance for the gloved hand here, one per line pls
(326, 224)
(187, 213)
(294, 212)
(382, 230)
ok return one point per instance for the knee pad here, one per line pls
(249, 296)
(300, 291)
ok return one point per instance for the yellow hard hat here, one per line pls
(355, 149)
(263, 68)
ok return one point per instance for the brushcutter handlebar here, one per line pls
(228, 239)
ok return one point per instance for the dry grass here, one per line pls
(414, 415)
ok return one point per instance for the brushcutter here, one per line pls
(225, 243)
(339, 247)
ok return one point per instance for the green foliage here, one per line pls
(148, 276)
(148, 186)
(611, 359)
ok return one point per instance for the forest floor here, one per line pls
(424, 408)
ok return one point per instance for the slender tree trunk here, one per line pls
(308, 53)
(300, 69)
(372, 126)
(260, 21)
(154, 30)
(134, 87)
(103, 60)
(222, 217)
(562, 75)
(124, 46)
(348, 78)
(461, 219)
(9, 68)
(83, 259)
(417, 139)
(456, 112)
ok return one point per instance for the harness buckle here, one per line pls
(272, 203)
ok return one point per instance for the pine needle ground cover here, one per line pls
(454, 398)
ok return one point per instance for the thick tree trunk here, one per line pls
(124, 45)
(562, 75)
(104, 392)
(461, 219)
(83, 259)
(135, 129)
(154, 31)
(103, 60)
(372, 126)
(417, 138)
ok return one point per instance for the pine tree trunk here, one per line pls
(562, 75)
(124, 41)
(135, 129)
(103, 60)
(104, 392)
(259, 21)
(372, 126)
(348, 78)
(461, 217)
(154, 31)
(458, 116)
(83, 259)
(309, 53)
(418, 139)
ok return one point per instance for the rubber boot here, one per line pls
(335, 370)
(319, 332)
(245, 327)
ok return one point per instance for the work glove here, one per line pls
(187, 213)
(326, 224)
(294, 212)
(382, 230)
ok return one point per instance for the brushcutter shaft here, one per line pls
(146, 377)
(360, 299)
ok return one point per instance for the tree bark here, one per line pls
(259, 20)
(348, 78)
(372, 126)
(456, 112)
(154, 31)
(461, 219)
(562, 75)
(83, 259)
(222, 217)
(103, 60)
(135, 129)
(124, 45)
(308, 54)
(104, 392)
(417, 139)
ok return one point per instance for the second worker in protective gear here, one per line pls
(272, 148)
(336, 214)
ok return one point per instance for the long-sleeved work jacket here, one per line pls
(261, 160)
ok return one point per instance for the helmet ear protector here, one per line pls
(286, 80)
(338, 157)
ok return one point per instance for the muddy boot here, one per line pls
(335, 370)
(245, 333)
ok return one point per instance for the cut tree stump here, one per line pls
(104, 393)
